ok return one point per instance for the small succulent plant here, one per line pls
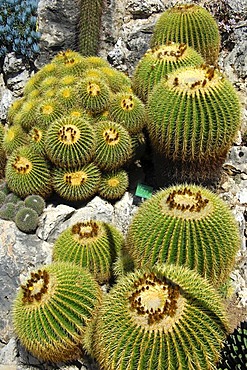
(36, 202)
(7, 211)
(26, 219)
(14, 137)
(53, 308)
(113, 184)
(157, 319)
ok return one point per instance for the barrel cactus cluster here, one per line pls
(75, 130)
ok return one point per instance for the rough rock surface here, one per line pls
(126, 30)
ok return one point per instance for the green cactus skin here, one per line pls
(118, 81)
(66, 97)
(36, 202)
(48, 111)
(52, 310)
(28, 173)
(233, 354)
(2, 197)
(93, 94)
(166, 318)
(26, 219)
(14, 137)
(12, 198)
(113, 145)
(89, 27)
(128, 110)
(190, 24)
(113, 184)
(158, 62)
(138, 142)
(90, 244)
(7, 211)
(4, 186)
(76, 184)
(185, 225)
(96, 62)
(27, 116)
(2, 153)
(14, 109)
(37, 138)
(70, 142)
(70, 63)
(193, 116)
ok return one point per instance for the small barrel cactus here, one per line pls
(14, 137)
(165, 318)
(190, 24)
(185, 225)
(91, 244)
(160, 61)
(113, 184)
(233, 354)
(52, 310)
(26, 219)
(35, 202)
(7, 211)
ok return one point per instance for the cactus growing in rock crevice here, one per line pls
(52, 310)
(164, 318)
(185, 225)
(26, 219)
(190, 24)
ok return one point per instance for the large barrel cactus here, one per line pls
(185, 225)
(166, 318)
(192, 25)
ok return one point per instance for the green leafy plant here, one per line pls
(53, 308)
(190, 24)
(161, 318)
(90, 244)
(185, 225)
(26, 219)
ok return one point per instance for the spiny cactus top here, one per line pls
(158, 62)
(194, 114)
(185, 225)
(192, 25)
(165, 318)
(52, 310)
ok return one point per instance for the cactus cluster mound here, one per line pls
(53, 308)
(2, 152)
(58, 118)
(91, 244)
(233, 354)
(159, 319)
(158, 62)
(190, 24)
(185, 225)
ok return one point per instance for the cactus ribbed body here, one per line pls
(14, 137)
(160, 61)
(190, 24)
(48, 111)
(70, 142)
(193, 115)
(26, 219)
(28, 173)
(36, 202)
(77, 184)
(113, 145)
(90, 244)
(166, 318)
(52, 310)
(185, 225)
(113, 184)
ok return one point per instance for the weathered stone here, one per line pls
(6, 98)
(123, 212)
(8, 353)
(143, 9)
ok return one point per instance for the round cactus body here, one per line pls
(128, 110)
(113, 184)
(70, 142)
(14, 137)
(185, 225)
(14, 109)
(52, 310)
(193, 115)
(90, 244)
(158, 62)
(113, 145)
(27, 116)
(26, 219)
(7, 211)
(37, 138)
(96, 62)
(2, 197)
(36, 202)
(78, 183)
(190, 24)
(48, 111)
(165, 318)
(28, 173)
(67, 96)
(117, 80)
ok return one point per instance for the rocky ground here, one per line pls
(126, 29)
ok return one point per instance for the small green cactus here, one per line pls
(53, 308)
(185, 225)
(118, 81)
(67, 96)
(158, 62)
(113, 145)
(128, 110)
(233, 354)
(37, 138)
(36, 202)
(26, 219)
(165, 318)
(7, 211)
(48, 110)
(14, 109)
(28, 173)
(2, 197)
(90, 244)
(76, 184)
(89, 27)
(190, 24)
(12, 198)
(27, 116)
(70, 142)
(113, 184)
(14, 137)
